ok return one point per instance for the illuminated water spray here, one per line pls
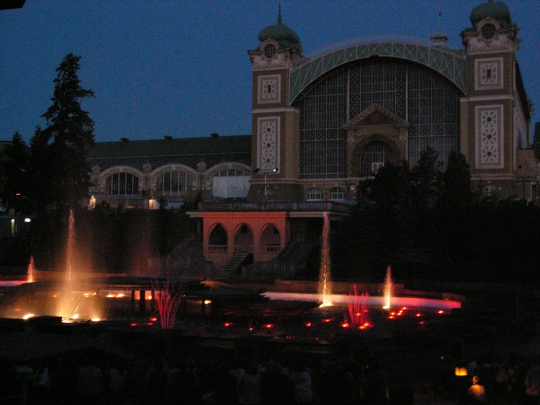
(168, 298)
(388, 288)
(325, 289)
(73, 302)
(31, 270)
(66, 295)
(357, 310)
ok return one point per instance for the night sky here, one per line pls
(181, 68)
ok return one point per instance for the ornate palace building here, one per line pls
(321, 125)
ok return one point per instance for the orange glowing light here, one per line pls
(418, 314)
(153, 319)
(17, 310)
(269, 325)
(421, 323)
(133, 324)
(404, 308)
(54, 295)
(309, 324)
(227, 324)
(251, 328)
(391, 317)
(345, 325)
(440, 311)
(120, 295)
(460, 372)
(326, 320)
(110, 295)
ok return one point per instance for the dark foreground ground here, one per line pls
(493, 335)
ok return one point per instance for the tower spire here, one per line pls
(279, 14)
(440, 37)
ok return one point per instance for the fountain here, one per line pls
(168, 298)
(31, 270)
(388, 288)
(73, 302)
(357, 311)
(324, 273)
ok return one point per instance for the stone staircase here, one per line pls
(231, 268)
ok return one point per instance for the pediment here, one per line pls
(375, 114)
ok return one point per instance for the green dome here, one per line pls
(493, 9)
(286, 37)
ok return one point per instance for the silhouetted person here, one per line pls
(275, 386)
(477, 392)
(249, 389)
(156, 386)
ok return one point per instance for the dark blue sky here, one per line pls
(181, 68)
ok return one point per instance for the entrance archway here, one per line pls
(270, 240)
(243, 239)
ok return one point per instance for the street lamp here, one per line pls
(274, 170)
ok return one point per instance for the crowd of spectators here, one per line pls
(243, 381)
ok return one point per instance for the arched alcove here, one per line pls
(270, 240)
(218, 239)
(243, 239)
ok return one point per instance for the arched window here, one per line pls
(337, 193)
(314, 194)
(270, 240)
(374, 156)
(422, 97)
(122, 183)
(218, 239)
(174, 182)
(243, 240)
(231, 183)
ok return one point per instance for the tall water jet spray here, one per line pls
(31, 270)
(65, 297)
(325, 289)
(388, 288)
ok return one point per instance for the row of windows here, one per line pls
(171, 183)
(175, 182)
(316, 194)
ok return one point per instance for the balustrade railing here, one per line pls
(217, 248)
(331, 206)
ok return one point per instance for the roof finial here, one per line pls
(279, 14)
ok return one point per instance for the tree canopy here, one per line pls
(52, 172)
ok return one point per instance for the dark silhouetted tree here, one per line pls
(456, 191)
(70, 131)
(16, 187)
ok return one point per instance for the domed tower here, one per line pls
(274, 121)
(495, 115)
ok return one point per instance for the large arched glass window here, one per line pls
(374, 156)
(174, 182)
(231, 183)
(420, 96)
(122, 183)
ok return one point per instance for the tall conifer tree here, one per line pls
(72, 133)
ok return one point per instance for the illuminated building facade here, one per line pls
(321, 125)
